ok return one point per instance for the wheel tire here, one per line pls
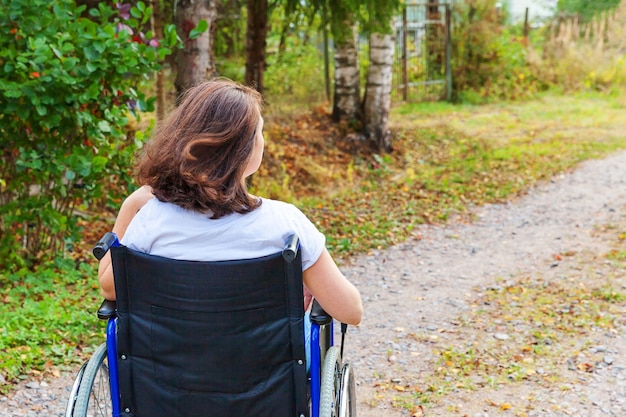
(330, 383)
(94, 397)
(71, 402)
(347, 393)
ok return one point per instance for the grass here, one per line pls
(48, 320)
(446, 159)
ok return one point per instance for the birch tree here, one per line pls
(377, 100)
(373, 17)
(347, 91)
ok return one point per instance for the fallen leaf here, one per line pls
(418, 412)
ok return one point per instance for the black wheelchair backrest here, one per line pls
(202, 339)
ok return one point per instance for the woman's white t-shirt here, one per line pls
(167, 230)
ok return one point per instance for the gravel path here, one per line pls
(426, 284)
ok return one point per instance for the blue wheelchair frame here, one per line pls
(319, 334)
(316, 365)
(113, 373)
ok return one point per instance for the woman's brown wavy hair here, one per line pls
(198, 155)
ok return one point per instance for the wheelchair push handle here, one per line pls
(318, 315)
(291, 248)
(106, 242)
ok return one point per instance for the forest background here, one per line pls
(83, 85)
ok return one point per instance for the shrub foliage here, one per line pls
(70, 80)
(490, 60)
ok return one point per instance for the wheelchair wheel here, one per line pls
(347, 393)
(330, 384)
(71, 402)
(94, 397)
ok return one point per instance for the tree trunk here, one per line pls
(347, 96)
(194, 60)
(255, 43)
(377, 100)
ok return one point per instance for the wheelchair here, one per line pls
(184, 340)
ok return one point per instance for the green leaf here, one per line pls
(135, 12)
(56, 52)
(142, 106)
(13, 93)
(98, 163)
(171, 36)
(67, 48)
(91, 54)
(146, 15)
(104, 126)
(200, 28)
(70, 63)
(93, 92)
(163, 52)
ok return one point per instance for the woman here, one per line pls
(194, 203)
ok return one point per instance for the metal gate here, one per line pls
(421, 70)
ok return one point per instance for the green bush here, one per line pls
(490, 60)
(70, 79)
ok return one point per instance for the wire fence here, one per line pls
(421, 70)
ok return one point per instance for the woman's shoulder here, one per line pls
(284, 213)
(136, 200)
(269, 205)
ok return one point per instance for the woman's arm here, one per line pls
(337, 296)
(129, 208)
